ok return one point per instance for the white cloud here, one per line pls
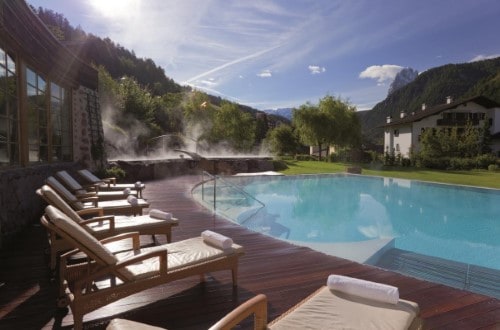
(315, 69)
(208, 82)
(265, 74)
(484, 57)
(381, 73)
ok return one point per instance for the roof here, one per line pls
(421, 114)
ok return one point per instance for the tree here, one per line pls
(312, 125)
(283, 140)
(344, 128)
(332, 122)
(233, 126)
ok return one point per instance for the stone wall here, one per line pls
(144, 170)
(20, 205)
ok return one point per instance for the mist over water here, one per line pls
(124, 144)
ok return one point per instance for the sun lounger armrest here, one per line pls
(161, 254)
(91, 187)
(86, 194)
(70, 253)
(94, 200)
(99, 211)
(134, 235)
(256, 306)
(114, 269)
(109, 181)
(108, 218)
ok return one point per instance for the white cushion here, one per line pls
(180, 254)
(83, 238)
(58, 202)
(328, 309)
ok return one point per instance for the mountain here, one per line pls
(282, 112)
(403, 78)
(460, 81)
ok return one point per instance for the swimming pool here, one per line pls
(446, 221)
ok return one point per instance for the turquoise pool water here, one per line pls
(451, 222)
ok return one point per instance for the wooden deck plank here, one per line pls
(284, 272)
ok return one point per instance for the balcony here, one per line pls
(456, 122)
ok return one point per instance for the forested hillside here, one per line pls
(117, 60)
(431, 87)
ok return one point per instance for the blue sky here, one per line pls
(282, 53)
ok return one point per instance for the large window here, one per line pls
(37, 117)
(61, 123)
(9, 124)
(49, 123)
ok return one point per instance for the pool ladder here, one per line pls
(227, 185)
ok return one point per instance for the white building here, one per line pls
(404, 133)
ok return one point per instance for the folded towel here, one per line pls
(158, 214)
(138, 184)
(126, 191)
(132, 200)
(217, 239)
(365, 289)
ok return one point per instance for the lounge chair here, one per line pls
(76, 188)
(129, 206)
(110, 183)
(106, 277)
(103, 226)
(326, 308)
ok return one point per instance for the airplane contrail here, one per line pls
(223, 66)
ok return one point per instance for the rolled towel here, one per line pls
(138, 184)
(217, 239)
(365, 289)
(158, 214)
(126, 191)
(132, 200)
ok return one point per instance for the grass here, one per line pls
(481, 178)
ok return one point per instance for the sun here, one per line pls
(115, 8)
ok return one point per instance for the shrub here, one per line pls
(389, 158)
(440, 163)
(493, 167)
(483, 161)
(303, 157)
(115, 171)
(457, 163)
(406, 162)
(374, 156)
(279, 165)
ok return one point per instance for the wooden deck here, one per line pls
(284, 272)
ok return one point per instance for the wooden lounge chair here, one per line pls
(109, 183)
(101, 226)
(324, 309)
(81, 202)
(76, 188)
(106, 277)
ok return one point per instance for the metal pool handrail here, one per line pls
(214, 178)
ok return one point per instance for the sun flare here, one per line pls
(115, 8)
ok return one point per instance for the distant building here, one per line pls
(49, 112)
(403, 133)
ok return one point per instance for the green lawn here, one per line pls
(481, 178)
